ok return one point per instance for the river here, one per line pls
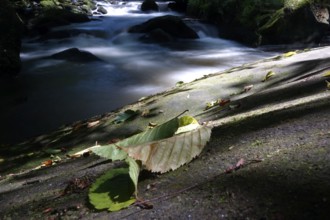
(50, 93)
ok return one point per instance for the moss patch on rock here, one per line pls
(265, 22)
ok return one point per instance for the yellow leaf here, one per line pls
(326, 74)
(289, 54)
(268, 75)
(328, 84)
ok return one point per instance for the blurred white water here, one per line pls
(50, 93)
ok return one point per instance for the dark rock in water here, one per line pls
(149, 5)
(75, 55)
(158, 36)
(172, 25)
(11, 29)
(102, 10)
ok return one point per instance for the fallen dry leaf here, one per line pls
(93, 124)
(234, 106)
(223, 102)
(239, 164)
(247, 88)
(152, 125)
(47, 163)
(268, 76)
(47, 210)
(326, 74)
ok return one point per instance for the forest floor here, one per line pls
(268, 157)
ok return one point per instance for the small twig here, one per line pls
(182, 113)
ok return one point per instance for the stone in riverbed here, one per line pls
(149, 5)
(169, 24)
(102, 10)
(76, 55)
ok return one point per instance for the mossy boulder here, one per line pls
(11, 28)
(56, 17)
(307, 24)
(256, 22)
(169, 25)
(51, 13)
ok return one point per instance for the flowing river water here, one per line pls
(50, 93)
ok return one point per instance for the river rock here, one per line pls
(169, 24)
(10, 39)
(307, 24)
(158, 36)
(149, 5)
(75, 55)
(265, 22)
(102, 10)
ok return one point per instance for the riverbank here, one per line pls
(276, 124)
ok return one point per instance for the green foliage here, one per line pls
(48, 4)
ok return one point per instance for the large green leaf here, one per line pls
(113, 190)
(171, 153)
(162, 131)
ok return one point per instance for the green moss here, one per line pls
(273, 19)
(48, 4)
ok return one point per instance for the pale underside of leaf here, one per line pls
(171, 153)
(134, 171)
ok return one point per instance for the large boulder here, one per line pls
(167, 27)
(75, 55)
(102, 10)
(11, 28)
(307, 24)
(149, 5)
(50, 13)
(56, 17)
(265, 22)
